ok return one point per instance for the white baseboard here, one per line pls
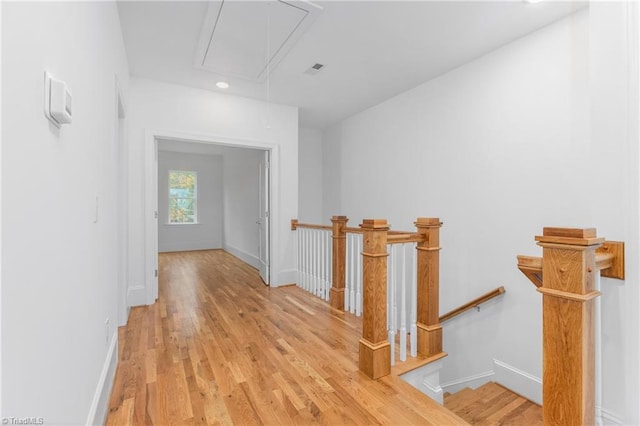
(472, 382)
(242, 255)
(285, 277)
(427, 380)
(136, 295)
(608, 418)
(100, 404)
(172, 246)
(518, 381)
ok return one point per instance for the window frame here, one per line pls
(194, 198)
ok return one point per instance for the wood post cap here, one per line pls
(569, 232)
(428, 221)
(374, 224)
(569, 236)
(339, 219)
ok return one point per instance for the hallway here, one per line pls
(220, 347)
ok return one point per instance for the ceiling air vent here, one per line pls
(315, 69)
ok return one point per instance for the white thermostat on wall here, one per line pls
(57, 101)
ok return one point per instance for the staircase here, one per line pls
(492, 404)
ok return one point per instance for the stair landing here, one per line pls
(492, 404)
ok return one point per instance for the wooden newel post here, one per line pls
(375, 350)
(339, 256)
(428, 277)
(568, 289)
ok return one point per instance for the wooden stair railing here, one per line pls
(570, 262)
(472, 304)
(374, 346)
(374, 359)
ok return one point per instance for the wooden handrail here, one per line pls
(352, 230)
(472, 304)
(295, 225)
(392, 232)
(395, 237)
(405, 238)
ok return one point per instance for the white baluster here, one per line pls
(299, 257)
(391, 301)
(319, 264)
(303, 256)
(319, 271)
(314, 270)
(321, 284)
(347, 272)
(414, 303)
(403, 304)
(354, 273)
(305, 249)
(320, 289)
(325, 265)
(329, 264)
(307, 260)
(359, 276)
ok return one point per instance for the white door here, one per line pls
(263, 216)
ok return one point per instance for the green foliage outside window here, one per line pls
(183, 197)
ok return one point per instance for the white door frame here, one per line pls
(151, 195)
(122, 254)
(264, 217)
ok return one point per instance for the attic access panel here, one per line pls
(247, 39)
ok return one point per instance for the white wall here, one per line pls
(241, 191)
(181, 109)
(207, 233)
(0, 219)
(615, 187)
(498, 149)
(310, 175)
(59, 264)
(332, 172)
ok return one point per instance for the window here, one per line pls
(183, 197)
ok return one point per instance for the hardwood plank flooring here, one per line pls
(492, 404)
(219, 347)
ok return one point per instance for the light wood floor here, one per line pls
(492, 404)
(221, 348)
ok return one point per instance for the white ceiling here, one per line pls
(372, 50)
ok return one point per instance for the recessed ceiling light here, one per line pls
(222, 85)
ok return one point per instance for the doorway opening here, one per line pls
(233, 198)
